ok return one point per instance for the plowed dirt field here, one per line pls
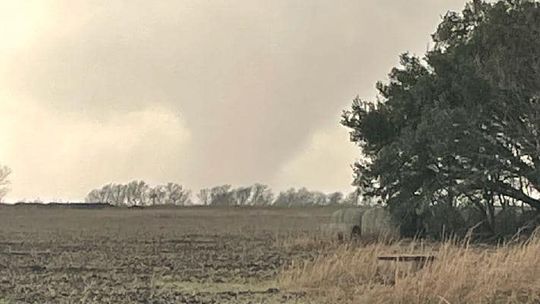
(175, 255)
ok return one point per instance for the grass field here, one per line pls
(239, 255)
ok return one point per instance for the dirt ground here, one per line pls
(186, 255)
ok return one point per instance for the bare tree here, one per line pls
(117, 194)
(224, 195)
(4, 181)
(176, 195)
(335, 198)
(351, 198)
(221, 195)
(261, 195)
(158, 195)
(241, 196)
(98, 196)
(137, 193)
(205, 196)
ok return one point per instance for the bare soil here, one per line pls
(176, 255)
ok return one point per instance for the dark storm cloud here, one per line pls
(249, 81)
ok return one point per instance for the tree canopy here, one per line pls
(462, 124)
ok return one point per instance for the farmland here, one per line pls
(240, 255)
(120, 255)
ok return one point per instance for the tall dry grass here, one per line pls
(461, 273)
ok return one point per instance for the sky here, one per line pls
(200, 93)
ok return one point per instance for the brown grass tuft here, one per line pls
(460, 274)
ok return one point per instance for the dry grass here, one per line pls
(460, 274)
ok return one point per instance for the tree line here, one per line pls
(139, 193)
(460, 127)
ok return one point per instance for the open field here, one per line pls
(188, 255)
(239, 255)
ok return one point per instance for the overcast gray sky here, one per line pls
(196, 92)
